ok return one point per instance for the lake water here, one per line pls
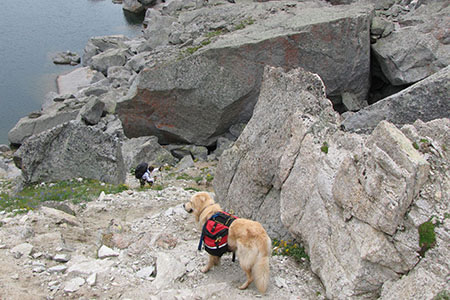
(32, 31)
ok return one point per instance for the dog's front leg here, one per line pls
(212, 261)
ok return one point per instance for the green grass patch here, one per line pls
(244, 23)
(192, 50)
(73, 190)
(215, 33)
(288, 248)
(209, 177)
(442, 295)
(427, 237)
(324, 148)
(184, 176)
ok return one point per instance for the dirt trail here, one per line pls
(152, 244)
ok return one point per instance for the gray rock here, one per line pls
(222, 145)
(418, 49)
(145, 149)
(92, 279)
(81, 265)
(169, 269)
(133, 6)
(138, 61)
(180, 151)
(100, 44)
(119, 73)
(425, 100)
(146, 272)
(381, 27)
(20, 250)
(215, 93)
(157, 28)
(92, 111)
(27, 127)
(67, 58)
(59, 216)
(286, 170)
(236, 129)
(68, 151)
(70, 83)
(357, 184)
(57, 269)
(4, 148)
(73, 285)
(185, 163)
(62, 257)
(110, 58)
(105, 252)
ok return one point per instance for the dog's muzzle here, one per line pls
(188, 210)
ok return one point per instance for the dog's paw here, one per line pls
(244, 286)
(205, 269)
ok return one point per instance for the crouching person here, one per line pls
(145, 174)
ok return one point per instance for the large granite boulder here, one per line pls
(346, 196)
(429, 279)
(196, 99)
(145, 149)
(109, 58)
(81, 77)
(97, 45)
(418, 47)
(157, 27)
(251, 165)
(426, 100)
(133, 6)
(54, 115)
(71, 150)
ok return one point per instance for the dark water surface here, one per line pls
(32, 31)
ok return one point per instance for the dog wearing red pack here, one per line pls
(246, 238)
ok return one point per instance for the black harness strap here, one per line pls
(221, 218)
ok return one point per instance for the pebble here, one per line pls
(22, 249)
(91, 280)
(105, 252)
(74, 285)
(57, 269)
(61, 258)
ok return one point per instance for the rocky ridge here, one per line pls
(356, 200)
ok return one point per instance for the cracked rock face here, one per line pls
(347, 196)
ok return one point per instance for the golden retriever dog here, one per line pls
(246, 238)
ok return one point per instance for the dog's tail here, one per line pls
(261, 268)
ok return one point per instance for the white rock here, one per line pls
(87, 266)
(146, 272)
(61, 257)
(22, 249)
(73, 285)
(102, 196)
(57, 269)
(91, 280)
(105, 252)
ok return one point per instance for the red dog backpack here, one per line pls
(215, 233)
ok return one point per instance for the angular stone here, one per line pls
(215, 93)
(70, 83)
(145, 149)
(20, 250)
(69, 151)
(92, 111)
(105, 252)
(73, 285)
(57, 269)
(426, 100)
